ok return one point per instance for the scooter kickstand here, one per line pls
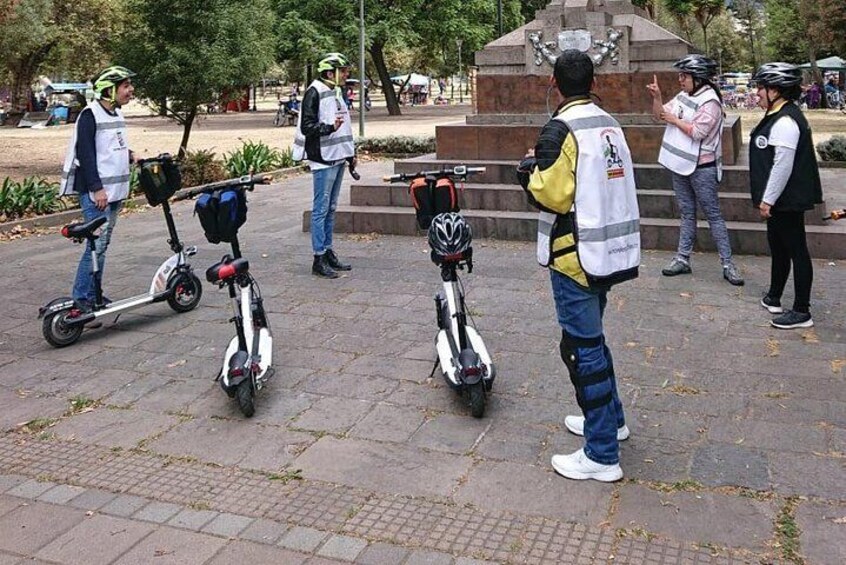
(435, 366)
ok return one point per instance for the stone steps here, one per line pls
(747, 238)
(499, 171)
(661, 203)
(497, 208)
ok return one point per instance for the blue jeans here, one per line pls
(83, 286)
(580, 314)
(701, 187)
(327, 187)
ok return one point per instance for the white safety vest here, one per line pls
(112, 154)
(338, 145)
(680, 152)
(605, 211)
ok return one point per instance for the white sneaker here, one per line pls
(576, 425)
(578, 466)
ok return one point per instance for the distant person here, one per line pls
(832, 92)
(785, 183)
(692, 149)
(814, 95)
(582, 162)
(324, 137)
(96, 169)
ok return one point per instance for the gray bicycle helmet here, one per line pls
(450, 234)
(779, 75)
(697, 66)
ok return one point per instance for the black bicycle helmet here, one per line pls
(697, 66)
(450, 234)
(778, 75)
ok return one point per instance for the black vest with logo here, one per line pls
(803, 188)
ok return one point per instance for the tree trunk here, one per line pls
(186, 131)
(816, 74)
(378, 56)
(24, 73)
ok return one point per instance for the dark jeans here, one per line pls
(786, 236)
(580, 314)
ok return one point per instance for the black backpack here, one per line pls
(159, 178)
(430, 201)
(221, 214)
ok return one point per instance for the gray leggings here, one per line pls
(700, 188)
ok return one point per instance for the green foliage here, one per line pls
(33, 195)
(834, 149)
(786, 41)
(40, 36)
(256, 157)
(201, 167)
(187, 53)
(397, 145)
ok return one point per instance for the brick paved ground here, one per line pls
(736, 454)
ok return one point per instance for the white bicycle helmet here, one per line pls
(450, 234)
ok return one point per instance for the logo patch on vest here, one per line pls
(613, 161)
(761, 142)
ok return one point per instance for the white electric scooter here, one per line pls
(462, 356)
(63, 319)
(248, 361)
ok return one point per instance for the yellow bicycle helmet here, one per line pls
(108, 79)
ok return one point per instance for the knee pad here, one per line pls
(569, 354)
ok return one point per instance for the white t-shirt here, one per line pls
(785, 138)
(785, 133)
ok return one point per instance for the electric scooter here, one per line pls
(63, 319)
(248, 361)
(462, 356)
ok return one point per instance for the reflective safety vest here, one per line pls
(336, 146)
(112, 154)
(680, 152)
(603, 229)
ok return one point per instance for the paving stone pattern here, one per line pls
(356, 455)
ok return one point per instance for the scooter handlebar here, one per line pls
(247, 182)
(460, 171)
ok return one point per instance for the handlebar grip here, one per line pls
(475, 170)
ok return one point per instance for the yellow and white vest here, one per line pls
(338, 145)
(605, 215)
(680, 152)
(112, 154)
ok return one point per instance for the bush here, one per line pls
(256, 157)
(834, 149)
(397, 145)
(33, 195)
(201, 167)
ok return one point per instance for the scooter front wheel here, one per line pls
(58, 332)
(246, 398)
(187, 291)
(476, 399)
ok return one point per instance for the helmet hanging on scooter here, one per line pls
(450, 234)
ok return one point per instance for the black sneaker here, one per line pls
(335, 263)
(792, 320)
(772, 305)
(321, 268)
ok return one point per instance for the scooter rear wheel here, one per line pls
(58, 332)
(187, 291)
(246, 398)
(476, 399)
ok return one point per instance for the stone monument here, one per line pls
(513, 100)
(513, 96)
